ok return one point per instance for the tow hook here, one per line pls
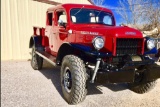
(96, 69)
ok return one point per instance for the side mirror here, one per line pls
(60, 22)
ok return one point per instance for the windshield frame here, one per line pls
(109, 13)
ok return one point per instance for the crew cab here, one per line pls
(85, 41)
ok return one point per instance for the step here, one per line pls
(50, 58)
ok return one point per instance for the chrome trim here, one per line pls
(94, 41)
(96, 69)
(44, 57)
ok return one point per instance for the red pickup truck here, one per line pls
(85, 41)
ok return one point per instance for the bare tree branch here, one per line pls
(99, 2)
(140, 12)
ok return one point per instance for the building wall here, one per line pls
(72, 1)
(17, 19)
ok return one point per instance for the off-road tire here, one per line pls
(78, 89)
(36, 61)
(142, 87)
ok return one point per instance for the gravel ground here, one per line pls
(21, 86)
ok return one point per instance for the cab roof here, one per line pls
(70, 6)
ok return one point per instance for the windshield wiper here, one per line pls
(100, 11)
(79, 10)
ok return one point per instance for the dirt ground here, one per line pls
(21, 86)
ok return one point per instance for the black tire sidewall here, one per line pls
(142, 86)
(39, 60)
(66, 94)
(70, 97)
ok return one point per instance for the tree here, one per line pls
(152, 15)
(130, 11)
(140, 12)
(98, 2)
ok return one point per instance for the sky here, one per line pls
(113, 5)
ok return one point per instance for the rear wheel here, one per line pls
(73, 79)
(36, 61)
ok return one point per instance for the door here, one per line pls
(49, 32)
(60, 28)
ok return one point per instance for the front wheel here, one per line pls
(73, 79)
(140, 85)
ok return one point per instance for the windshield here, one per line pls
(83, 16)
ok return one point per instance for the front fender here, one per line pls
(89, 51)
(152, 51)
(84, 52)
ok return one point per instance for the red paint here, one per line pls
(55, 36)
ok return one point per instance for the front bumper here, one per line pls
(127, 73)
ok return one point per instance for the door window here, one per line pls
(61, 17)
(49, 19)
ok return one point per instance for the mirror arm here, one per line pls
(64, 26)
(60, 23)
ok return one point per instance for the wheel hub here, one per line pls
(67, 80)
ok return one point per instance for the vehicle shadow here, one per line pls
(116, 87)
(53, 73)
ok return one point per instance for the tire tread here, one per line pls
(79, 84)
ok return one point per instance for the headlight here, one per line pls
(98, 42)
(150, 44)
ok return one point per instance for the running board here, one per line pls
(51, 59)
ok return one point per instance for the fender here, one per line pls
(152, 51)
(77, 49)
(65, 49)
(37, 40)
(88, 50)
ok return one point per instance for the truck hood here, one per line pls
(109, 31)
(111, 34)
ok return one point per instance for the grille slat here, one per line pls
(129, 46)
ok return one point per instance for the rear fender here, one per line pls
(35, 40)
(38, 38)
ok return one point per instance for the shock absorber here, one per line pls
(96, 69)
